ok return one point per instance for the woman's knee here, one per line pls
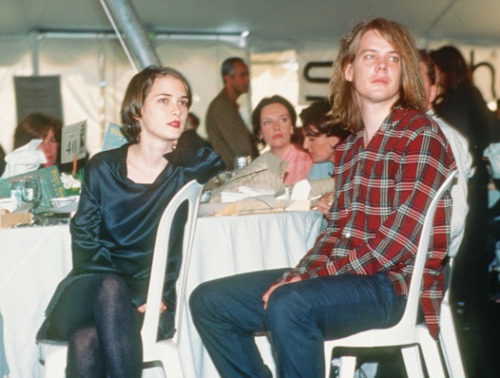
(111, 285)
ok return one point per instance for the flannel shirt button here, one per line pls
(347, 234)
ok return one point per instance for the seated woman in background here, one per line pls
(47, 128)
(273, 121)
(98, 307)
(29, 154)
(321, 137)
(40, 126)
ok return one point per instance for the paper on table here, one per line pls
(244, 192)
(320, 187)
(312, 189)
(15, 219)
(265, 172)
(257, 205)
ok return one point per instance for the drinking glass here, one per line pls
(241, 162)
(31, 192)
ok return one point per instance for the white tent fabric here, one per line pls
(94, 75)
(95, 72)
(314, 51)
(274, 73)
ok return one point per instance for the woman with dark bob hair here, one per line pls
(98, 307)
(273, 121)
(321, 136)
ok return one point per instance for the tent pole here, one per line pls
(131, 33)
(35, 61)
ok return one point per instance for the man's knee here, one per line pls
(203, 298)
(285, 306)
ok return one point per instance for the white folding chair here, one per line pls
(161, 356)
(406, 333)
(448, 338)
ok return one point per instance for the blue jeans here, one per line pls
(299, 317)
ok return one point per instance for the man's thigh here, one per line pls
(237, 299)
(345, 304)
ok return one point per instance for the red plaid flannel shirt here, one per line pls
(381, 192)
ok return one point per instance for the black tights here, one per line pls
(104, 332)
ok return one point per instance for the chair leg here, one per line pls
(328, 348)
(55, 364)
(347, 366)
(153, 372)
(413, 363)
(430, 350)
(449, 343)
(168, 354)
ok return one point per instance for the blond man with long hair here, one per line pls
(341, 91)
(356, 276)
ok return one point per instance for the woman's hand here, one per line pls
(142, 309)
(267, 294)
(325, 203)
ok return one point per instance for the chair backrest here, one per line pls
(191, 193)
(410, 315)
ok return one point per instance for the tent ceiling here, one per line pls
(474, 21)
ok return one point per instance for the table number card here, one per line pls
(73, 139)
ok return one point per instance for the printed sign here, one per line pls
(73, 139)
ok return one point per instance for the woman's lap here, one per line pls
(74, 307)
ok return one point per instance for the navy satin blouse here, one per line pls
(114, 229)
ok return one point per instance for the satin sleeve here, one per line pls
(88, 250)
(196, 156)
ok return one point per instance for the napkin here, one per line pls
(24, 159)
(9, 204)
(301, 190)
(70, 182)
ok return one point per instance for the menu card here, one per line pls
(113, 138)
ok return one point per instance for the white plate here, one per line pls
(9, 204)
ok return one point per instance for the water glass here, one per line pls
(241, 162)
(31, 192)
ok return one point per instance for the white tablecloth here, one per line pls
(225, 246)
(34, 260)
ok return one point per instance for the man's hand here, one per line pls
(142, 309)
(269, 291)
